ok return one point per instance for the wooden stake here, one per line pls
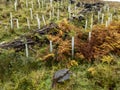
(91, 26)
(11, 20)
(108, 9)
(89, 38)
(109, 21)
(102, 18)
(72, 47)
(38, 20)
(58, 14)
(44, 19)
(32, 4)
(51, 2)
(106, 24)
(75, 10)
(86, 23)
(26, 48)
(69, 11)
(51, 47)
(98, 16)
(105, 8)
(26, 3)
(31, 14)
(28, 23)
(39, 3)
(15, 5)
(17, 23)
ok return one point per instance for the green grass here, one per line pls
(20, 73)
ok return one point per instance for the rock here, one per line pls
(81, 17)
(72, 1)
(78, 4)
(60, 76)
(87, 5)
(19, 44)
(57, 0)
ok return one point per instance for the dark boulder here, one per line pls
(87, 5)
(81, 17)
(78, 4)
(60, 76)
(72, 1)
(57, 0)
